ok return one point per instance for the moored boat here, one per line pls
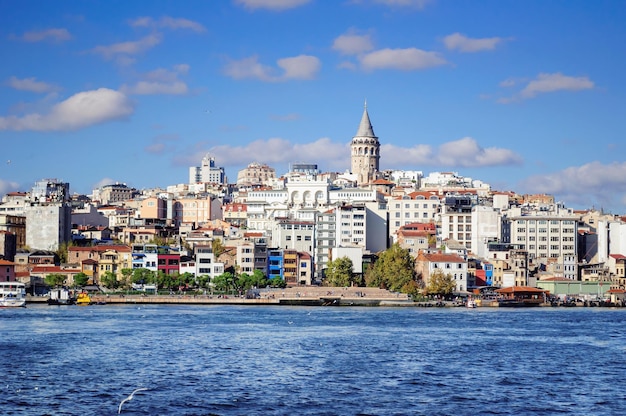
(12, 294)
(83, 298)
(61, 296)
(471, 303)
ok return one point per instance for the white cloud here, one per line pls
(418, 4)
(298, 67)
(56, 35)
(584, 185)
(276, 151)
(154, 88)
(462, 43)
(547, 83)
(285, 117)
(555, 82)
(464, 152)
(402, 59)
(460, 153)
(8, 186)
(274, 5)
(128, 48)
(31, 84)
(352, 44)
(103, 182)
(160, 81)
(81, 110)
(168, 23)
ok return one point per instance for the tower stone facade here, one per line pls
(365, 151)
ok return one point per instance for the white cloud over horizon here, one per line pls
(301, 67)
(462, 43)
(595, 181)
(464, 153)
(81, 110)
(7, 186)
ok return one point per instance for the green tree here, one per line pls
(62, 250)
(126, 277)
(203, 281)
(218, 247)
(224, 282)
(167, 281)
(440, 283)
(259, 279)
(55, 279)
(143, 276)
(277, 282)
(81, 279)
(109, 280)
(394, 268)
(339, 272)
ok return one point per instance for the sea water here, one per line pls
(279, 360)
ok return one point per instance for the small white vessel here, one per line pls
(471, 303)
(12, 294)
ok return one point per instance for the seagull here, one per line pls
(129, 398)
(290, 322)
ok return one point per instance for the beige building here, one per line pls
(256, 174)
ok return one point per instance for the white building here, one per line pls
(207, 172)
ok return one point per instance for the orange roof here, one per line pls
(6, 263)
(381, 182)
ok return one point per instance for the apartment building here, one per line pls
(415, 207)
(545, 233)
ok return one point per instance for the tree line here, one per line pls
(394, 270)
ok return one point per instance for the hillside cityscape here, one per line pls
(292, 226)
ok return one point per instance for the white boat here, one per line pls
(60, 296)
(471, 303)
(12, 294)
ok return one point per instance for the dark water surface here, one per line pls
(278, 360)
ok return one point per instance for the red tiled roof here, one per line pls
(618, 256)
(443, 258)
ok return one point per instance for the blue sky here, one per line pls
(527, 95)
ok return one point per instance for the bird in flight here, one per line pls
(129, 398)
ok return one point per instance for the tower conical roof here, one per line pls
(365, 128)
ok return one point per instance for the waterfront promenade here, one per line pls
(304, 295)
